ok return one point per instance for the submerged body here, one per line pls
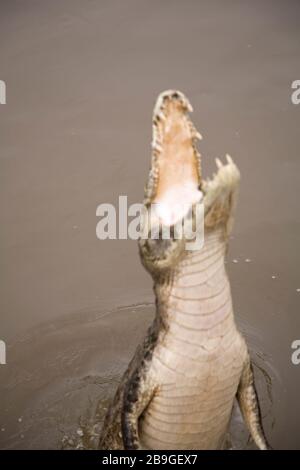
(179, 389)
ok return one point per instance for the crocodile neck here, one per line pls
(195, 302)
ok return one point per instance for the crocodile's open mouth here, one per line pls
(175, 178)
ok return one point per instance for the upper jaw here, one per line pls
(169, 95)
(175, 174)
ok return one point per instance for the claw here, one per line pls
(219, 163)
(228, 158)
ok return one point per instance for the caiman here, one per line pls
(179, 389)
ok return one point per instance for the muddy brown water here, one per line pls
(81, 80)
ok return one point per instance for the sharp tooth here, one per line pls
(198, 135)
(156, 146)
(161, 116)
(186, 104)
(228, 158)
(219, 163)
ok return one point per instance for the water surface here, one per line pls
(82, 77)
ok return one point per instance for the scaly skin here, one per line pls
(179, 389)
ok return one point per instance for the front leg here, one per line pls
(220, 195)
(138, 393)
(249, 405)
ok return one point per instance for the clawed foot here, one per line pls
(227, 178)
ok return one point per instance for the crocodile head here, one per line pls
(175, 176)
(175, 185)
(174, 182)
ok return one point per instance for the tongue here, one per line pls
(174, 204)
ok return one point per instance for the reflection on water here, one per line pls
(61, 377)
